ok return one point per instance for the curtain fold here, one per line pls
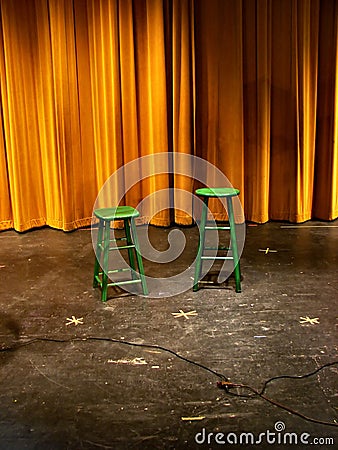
(151, 98)
(306, 26)
(183, 103)
(257, 107)
(67, 163)
(293, 114)
(6, 216)
(219, 90)
(90, 85)
(21, 131)
(326, 160)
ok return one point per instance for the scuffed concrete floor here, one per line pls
(98, 394)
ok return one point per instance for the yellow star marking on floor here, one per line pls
(267, 250)
(309, 320)
(184, 314)
(193, 418)
(75, 321)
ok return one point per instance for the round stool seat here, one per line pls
(116, 213)
(217, 192)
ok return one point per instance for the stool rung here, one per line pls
(117, 270)
(217, 248)
(217, 228)
(117, 283)
(117, 239)
(122, 247)
(217, 257)
(118, 247)
(98, 279)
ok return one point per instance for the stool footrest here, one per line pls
(217, 257)
(120, 247)
(217, 228)
(117, 283)
(116, 271)
(217, 248)
(118, 239)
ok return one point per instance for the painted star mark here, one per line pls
(307, 319)
(267, 250)
(75, 321)
(184, 314)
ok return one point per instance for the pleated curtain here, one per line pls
(90, 85)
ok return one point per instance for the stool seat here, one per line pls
(117, 213)
(217, 192)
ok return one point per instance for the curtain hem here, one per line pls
(38, 223)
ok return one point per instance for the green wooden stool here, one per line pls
(228, 193)
(103, 247)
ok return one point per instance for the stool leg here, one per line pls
(233, 245)
(138, 257)
(130, 250)
(98, 254)
(198, 267)
(105, 261)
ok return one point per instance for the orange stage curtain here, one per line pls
(89, 85)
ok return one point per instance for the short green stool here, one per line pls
(103, 247)
(228, 193)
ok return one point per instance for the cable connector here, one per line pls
(227, 385)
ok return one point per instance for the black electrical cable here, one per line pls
(297, 377)
(224, 384)
(117, 341)
(229, 385)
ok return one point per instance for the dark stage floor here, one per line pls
(99, 394)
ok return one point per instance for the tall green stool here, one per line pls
(207, 193)
(103, 247)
